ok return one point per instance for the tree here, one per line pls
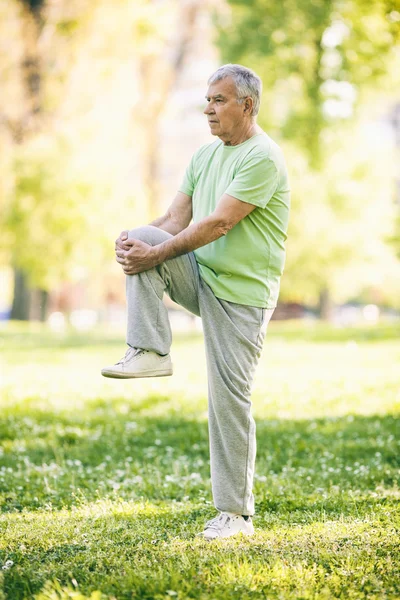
(26, 116)
(28, 121)
(161, 58)
(318, 60)
(85, 88)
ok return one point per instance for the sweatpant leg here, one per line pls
(148, 323)
(234, 337)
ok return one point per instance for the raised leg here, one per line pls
(148, 323)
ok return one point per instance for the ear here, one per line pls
(248, 105)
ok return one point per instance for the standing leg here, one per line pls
(234, 336)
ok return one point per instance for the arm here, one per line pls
(178, 215)
(177, 218)
(138, 256)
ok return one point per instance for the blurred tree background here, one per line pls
(100, 109)
(330, 69)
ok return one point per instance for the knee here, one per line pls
(141, 233)
(149, 234)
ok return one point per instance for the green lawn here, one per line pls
(104, 483)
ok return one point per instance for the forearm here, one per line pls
(164, 223)
(169, 224)
(196, 235)
(136, 256)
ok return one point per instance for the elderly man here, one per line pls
(225, 267)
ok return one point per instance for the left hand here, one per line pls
(136, 257)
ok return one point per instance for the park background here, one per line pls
(101, 108)
(104, 483)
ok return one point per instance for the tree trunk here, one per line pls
(28, 124)
(158, 76)
(325, 305)
(44, 304)
(20, 309)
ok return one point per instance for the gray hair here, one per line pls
(246, 81)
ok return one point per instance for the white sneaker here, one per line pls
(139, 363)
(225, 525)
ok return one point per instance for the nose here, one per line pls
(208, 110)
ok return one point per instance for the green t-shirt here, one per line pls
(246, 264)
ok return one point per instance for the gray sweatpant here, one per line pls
(233, 335)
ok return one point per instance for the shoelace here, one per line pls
(130, 353)
(218, 522)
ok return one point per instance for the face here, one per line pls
(225, 116)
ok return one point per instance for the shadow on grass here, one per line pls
(63, 459)
(327, 491)
(145, 553)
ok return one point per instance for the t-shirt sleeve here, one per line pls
(256, 181)
(188, 183)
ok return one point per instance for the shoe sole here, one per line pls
(142, 374)
(218, 537)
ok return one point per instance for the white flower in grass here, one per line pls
(131, 425)
(9, 563)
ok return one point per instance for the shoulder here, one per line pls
(264, 146)
(266, 150)
(205, 151)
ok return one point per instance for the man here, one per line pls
(224, 267)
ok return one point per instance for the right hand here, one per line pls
(119, 242)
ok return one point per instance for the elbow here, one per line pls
(223, 226)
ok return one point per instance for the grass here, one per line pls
(104, 483)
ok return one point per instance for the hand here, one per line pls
(123, 236)
(136, 256)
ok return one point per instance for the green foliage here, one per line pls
(321, 62)
(46, 216)
(341, 221)
(104, 484)
(54, 591)
(300, 47)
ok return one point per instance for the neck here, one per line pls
(241, 135)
